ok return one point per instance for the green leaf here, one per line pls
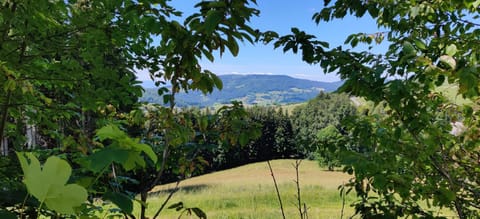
(104, 157)
(208, 54)
(446, 196)
(147, 150)
(121, 200)
(213, 19)
(110, 132)
(178, 206)
(123, 144)
(468, 82)
(199, 213)
(203, 123)
(217, 81)
(408, 49)
(48, 184)
(233, 46)
(451, 50)
(65, 198)
(85, 181)
(9, 85)
(414, 11)
(167, 98)
(420, 44)
(243, 139)
(354, 42)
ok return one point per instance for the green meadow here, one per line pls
(248, 192)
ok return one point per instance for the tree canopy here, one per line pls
(67, 71)
(69, 89)
(320, 112)
(409, 153)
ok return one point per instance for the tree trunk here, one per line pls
(331, 167)
(3, 124)
(4, 146)
(143, 198)
(30, 134)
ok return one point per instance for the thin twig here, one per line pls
(297, 182)
(276, 189)
(343, 200)
(305, 210)
(167, 199)
(166, 151)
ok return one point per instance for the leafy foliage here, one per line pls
(274, 139)
(122, 150)
(409, 154)
(330, 142)
(180, 207)
(324, 110)
(68, 71)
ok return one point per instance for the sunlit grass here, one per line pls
(248, 192)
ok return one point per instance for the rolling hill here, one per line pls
(251, 90)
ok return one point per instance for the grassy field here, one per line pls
(248, 192)
(290, 107)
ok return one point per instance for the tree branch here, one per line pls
(167, 199)
(276, 189)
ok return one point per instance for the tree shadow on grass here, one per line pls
(186, 189)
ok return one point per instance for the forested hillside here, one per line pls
(250, 89)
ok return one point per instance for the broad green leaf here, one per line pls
(147, 150)
(48, 184)
(64, 199)
(124, 142)
(104, 157)
(121, 200)
(85, 181)
(110, 132)
(134, 160)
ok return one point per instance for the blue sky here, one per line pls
(280, 16)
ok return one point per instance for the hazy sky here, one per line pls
(280, 16)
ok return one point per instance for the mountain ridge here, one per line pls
(251, 89)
